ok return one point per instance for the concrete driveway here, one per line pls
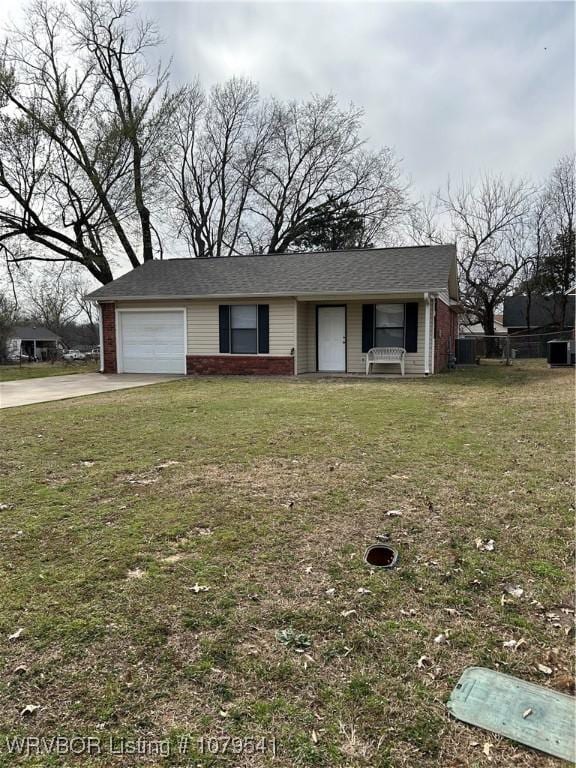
(29, 391)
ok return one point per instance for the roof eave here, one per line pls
(260, 294)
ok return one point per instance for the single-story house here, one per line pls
(33, 341)
(282, 314)
(542, 314)
(469, 326)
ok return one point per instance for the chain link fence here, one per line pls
(472, 348)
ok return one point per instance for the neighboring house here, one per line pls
(469, 326)
(34, 342)
(282, 314)
(544, 317)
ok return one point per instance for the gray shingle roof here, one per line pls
(32, 333)
(394, 270)
(544, 311)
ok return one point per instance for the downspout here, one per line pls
(434, 304)
(426, 333)
(101, 335)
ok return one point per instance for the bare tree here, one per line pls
(424, 222)
(52, 298)
(534, 237)
(218, 142)
(253, 176)
(318, 158)
(488, 221)
(8, 319)
(557, 270)
(80, 142)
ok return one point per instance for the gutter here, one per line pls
(294, 295)
(428, 297)
(101, 334)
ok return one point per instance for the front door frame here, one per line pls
(318, 306)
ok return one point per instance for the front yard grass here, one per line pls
(158, 540)
(16, 372)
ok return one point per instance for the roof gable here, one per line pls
(33, 333)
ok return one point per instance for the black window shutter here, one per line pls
(367, 327)
(224, 327)
(411, 330)
(263, 328)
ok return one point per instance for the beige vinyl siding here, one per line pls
(355, 361)
(203, 322)
(203, 329)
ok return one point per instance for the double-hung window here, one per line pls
(389, 324)
(244, 329)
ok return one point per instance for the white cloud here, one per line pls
(454, 87)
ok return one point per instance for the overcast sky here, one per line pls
(454, 87)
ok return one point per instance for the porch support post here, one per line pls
(101, 338)
(426, 334)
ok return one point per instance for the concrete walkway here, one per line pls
(29, 391)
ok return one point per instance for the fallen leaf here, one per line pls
(87, 463)
(314, 737)
(441, 639)
(544, 669)
(29, 709)
(5, 506)
(166, 464)
(510, 589)
(394, 513)
(486, 749)
(199, 588)
(363, 591)
(331, 591)
(423, 662)
(347, 613)
(20, 669)
(136, 573)
(308, 569)
(485, 547)
(16, 635)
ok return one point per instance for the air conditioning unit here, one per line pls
(561, 353)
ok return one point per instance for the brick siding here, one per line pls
(261, 365)
(109, 337)
(445, 331)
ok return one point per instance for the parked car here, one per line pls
(73, 354)
(94, 354)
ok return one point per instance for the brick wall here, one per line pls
(108, 310)
(445, 331)
(216, 365)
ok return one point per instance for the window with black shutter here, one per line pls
(244, 329)
(389, 325)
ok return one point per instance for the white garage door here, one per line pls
(152, 342)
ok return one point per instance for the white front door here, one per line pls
(152, 342)
(331, 338)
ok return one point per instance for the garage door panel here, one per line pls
(152, 342)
